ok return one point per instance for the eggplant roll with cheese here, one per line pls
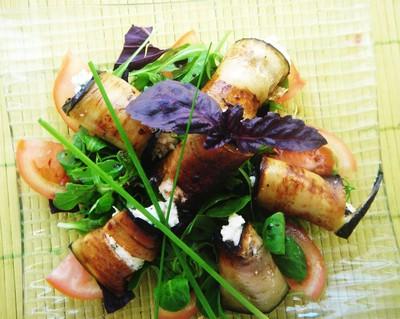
(251, 270)
(113, 253)
(249, 73)
(299, 192)
(90, 111)
(302, 193)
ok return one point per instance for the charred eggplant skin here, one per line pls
(251, 270)
(92, 113)
(353, 218)
(96, 255)
(301, 193)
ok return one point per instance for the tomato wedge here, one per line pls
(313, 285)
(72, 280)
(190, 37)
(39, 167)
(64, 89)
(320, 161)
(346, 164)
(188, 312)
(296, 83)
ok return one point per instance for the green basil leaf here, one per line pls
(228, 207)
(175, 294)
(293, 263)
(75, 194)
(274, 233)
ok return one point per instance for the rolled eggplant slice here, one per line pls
(249, 73)
(91, 112)
(301, 193)
(251, 270)
(113, 253)
(201, 169)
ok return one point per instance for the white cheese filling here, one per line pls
(173, 215)
(133, 263)
(165, 190)
(79, 80)
(233, 231)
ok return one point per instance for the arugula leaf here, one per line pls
(175, 294)
(103, 204)
(93, 143)
(348, 188)
(212, 292)
(273, 233)
(75, 194)
(228, 207)
(213, 200)
(293, 263)
(84, 225)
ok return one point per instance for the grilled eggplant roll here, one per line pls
(89, 109)
(113, 253)
(251, 270)
(249, 73)
(299, 192)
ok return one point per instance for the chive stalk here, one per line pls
(135, 160)
(206, 306)
(163, 228)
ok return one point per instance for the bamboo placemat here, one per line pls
(331, 43)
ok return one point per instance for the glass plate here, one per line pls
(330, 44)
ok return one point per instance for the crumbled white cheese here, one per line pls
(173, 214)
(79, 80)
(165, 189)
(252, 180)
(133, 263)
(233, 231)
(275, 42)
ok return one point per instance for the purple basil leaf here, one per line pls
(249, 135)
(166, 106)
(133, 39)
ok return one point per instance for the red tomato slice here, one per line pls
(64, 89)
(39, 167)
(346, 164)
(186, 313)
(320, 161)
(313, 285)
(72, 280)
(296, 83)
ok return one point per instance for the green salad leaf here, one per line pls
(175, 294)
(293, 263)
(273, 233)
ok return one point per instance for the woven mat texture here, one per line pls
(347, 50)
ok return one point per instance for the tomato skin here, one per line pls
(72, 280)
(64, 89)
(296, 83)
(37, 163)
(346, 163)
(314, 284)
(320, 161)
(186, 313)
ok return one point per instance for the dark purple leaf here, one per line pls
(133, 39)
(249, 135)
(113, 302)
(166, 106)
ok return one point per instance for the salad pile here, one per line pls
(183, 162)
